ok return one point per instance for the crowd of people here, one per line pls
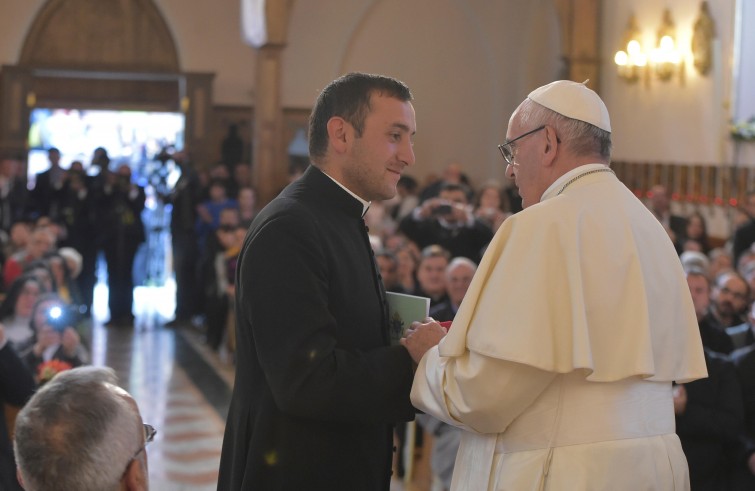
(715, 417)
(317, 245)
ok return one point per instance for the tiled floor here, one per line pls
(182, 388)
(164, 372)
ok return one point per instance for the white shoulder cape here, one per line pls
(586, 279)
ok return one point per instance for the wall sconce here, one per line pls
(666, 58)
(631, 60)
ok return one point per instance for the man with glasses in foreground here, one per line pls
(561, 358)
(81, 431)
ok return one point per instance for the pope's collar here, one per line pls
(365, 204)
(554, 188)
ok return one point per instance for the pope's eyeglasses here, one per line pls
(507, 150)
(149, 435)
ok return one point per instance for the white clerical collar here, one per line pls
(553, 189)
(365, 204)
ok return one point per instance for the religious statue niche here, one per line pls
(702, 40)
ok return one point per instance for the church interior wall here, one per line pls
(468, 62)
(675, 122)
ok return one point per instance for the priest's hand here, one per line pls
(420, 337)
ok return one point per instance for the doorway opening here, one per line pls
(138, 139)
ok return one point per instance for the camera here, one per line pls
(444, 209)
(59, 317)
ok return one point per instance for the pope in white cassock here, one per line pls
(560, 361)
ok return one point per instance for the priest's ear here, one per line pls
(339, 134)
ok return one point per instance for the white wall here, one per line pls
(745, 94)
(16, 17)
(468, 62)
(208, 36)
(667, 121)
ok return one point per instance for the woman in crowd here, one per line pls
(55, 337)
(408, 259)
(697, 232)
(16, 311)
(66, 287)
(40, 269)
(489, 205)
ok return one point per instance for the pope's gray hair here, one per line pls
(76, 432)
(582, 138)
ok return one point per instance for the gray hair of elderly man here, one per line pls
(79, 431)
(582, 138)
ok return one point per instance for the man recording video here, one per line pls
(448, 221)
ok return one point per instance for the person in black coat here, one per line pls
(184, 199)
(122, 231)
(709, 420)
(78, 212)
(744, 472)
(13, 193)
(16, 387)
(48, 185)
(318, 385)
(744, 235)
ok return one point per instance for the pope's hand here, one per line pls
(420, 337)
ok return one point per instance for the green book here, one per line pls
(402, 311)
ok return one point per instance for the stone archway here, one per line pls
(114, 54)
(128, 35)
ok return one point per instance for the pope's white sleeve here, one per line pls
(476, 392)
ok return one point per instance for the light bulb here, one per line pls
(621, 58)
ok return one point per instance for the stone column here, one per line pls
(580, 29)
(270, 163)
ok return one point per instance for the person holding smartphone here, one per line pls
(55, 336)
(449, 222)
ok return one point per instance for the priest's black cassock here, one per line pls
(318, 386)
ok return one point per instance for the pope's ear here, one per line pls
(551, 145)
(338, 130)
(135, 478)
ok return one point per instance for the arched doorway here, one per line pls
(101, 54)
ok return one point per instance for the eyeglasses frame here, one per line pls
(510, 158)
(149, 436)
